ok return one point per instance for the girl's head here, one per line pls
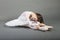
(40, 18)
(36, 17)
(33, 17)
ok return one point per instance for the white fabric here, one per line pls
(33, 24)
(21, 20)
(15, 22)
(25, 16)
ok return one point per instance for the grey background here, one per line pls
(11, 9)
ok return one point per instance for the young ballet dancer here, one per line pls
(31, 19)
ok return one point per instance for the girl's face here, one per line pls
(33, 17)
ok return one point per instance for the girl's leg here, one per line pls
(15, 22)
(45, 28)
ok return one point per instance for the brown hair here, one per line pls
(40, 18)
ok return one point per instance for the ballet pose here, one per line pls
(31, 19)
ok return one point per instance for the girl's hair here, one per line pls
(40, 18)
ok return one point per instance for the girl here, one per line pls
(31, 19)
